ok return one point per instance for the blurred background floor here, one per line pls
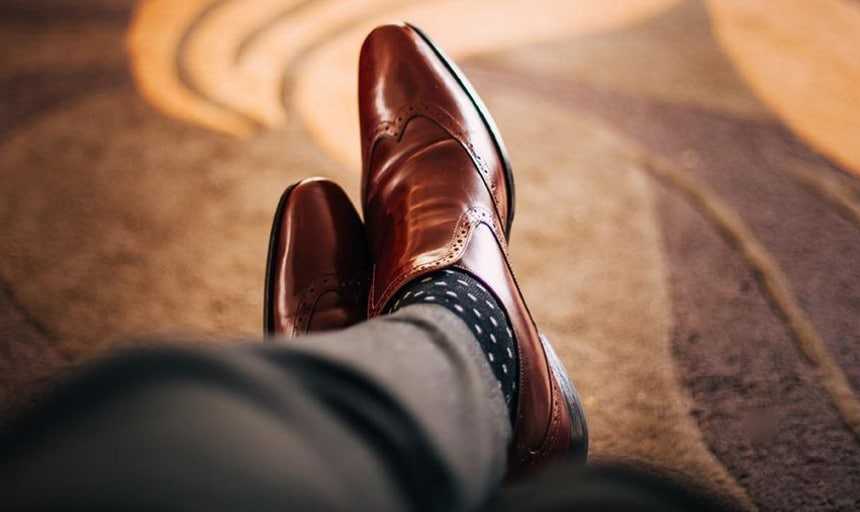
(688, 227)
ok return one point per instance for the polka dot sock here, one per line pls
(467, 298)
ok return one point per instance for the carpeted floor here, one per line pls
(688, 200)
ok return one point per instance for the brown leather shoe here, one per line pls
(316, 274)
(437, 192)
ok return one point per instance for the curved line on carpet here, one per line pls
(286, 81)
(285, 14)
(801, 65)
(185, 79)
(769, 275)
(832, 190)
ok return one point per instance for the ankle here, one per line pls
(471, 301)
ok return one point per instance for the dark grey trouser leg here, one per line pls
(400, 413)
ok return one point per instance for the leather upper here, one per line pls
(397, 86)
(434, 196)
(318, 262)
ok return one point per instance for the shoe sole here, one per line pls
(485, 117)
(268, 317)
(578, 425)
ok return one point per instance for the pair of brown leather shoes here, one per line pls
(437, 192)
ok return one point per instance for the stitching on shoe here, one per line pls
(311, 294)
(549, 443)
(394, 128)
(460, 237)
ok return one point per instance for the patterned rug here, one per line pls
(688, 220)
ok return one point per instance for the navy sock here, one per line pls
(467, 298)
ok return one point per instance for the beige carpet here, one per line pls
(688, 220)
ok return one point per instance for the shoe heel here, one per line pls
(578, 424)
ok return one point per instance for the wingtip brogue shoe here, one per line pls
(437, 192)
(317, 267)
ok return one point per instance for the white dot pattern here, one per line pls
(463, 295)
